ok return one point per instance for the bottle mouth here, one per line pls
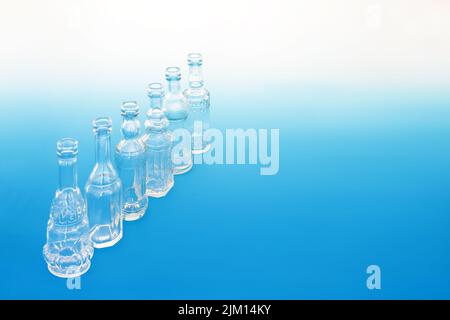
(102, 124)
(67, 147)
(130, 108)
(173, 73)
(155, 89)
(195, 58)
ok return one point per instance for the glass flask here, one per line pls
(176, 110)
(130, 161)
(68, 250)
(198, 100)
(158, 141)
(103, 190)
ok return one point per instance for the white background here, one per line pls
(60, 43)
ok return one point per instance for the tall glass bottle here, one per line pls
(130, 161)
(158, 140)
(68, 250)
(176, 110)
(199, 100)
(103, 190)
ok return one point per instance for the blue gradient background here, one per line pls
(364, 179)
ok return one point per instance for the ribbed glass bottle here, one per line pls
(130, 161)
(176, 109)
(103, 190)
(198, 99)
(158, 141)
(68, 250)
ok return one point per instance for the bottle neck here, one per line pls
(156, 102)
(195, 76)
(173, 86)
(103, 147)
(67, 173)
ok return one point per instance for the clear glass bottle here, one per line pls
(68, 250)
(176, 110)
(103, 190)
(130, 161)
(158, 141)
(199, 100)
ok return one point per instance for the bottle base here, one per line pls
(160, 194)
(133, 216)
(108, 243)
(183, 169)
(77, 273)
(132, 211)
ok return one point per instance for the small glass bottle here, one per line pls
(199, 100)
(158, 141)
(68, 250)
(103, 190)
(176, 110)
(130, 161)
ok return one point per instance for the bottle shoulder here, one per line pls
(69, 195)
(130, 147)
(173, 96)
(152, 139)
(198, 98)
(196, 92)
(103, 175)
(175, 106)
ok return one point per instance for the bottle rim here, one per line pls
(67, 147)
(130, 108)
(155, 89)
(195, 58)
(173, 73)
(102, 123)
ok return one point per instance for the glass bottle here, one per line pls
(176, 110)
(158, 141)
(68, 250)
(199, 100)
(103, 190)
(130, 161)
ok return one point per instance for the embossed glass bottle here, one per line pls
(158, 140)
(103, 190)
(199, 100)
(130, 161)
(176, 110)
(68, 250)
